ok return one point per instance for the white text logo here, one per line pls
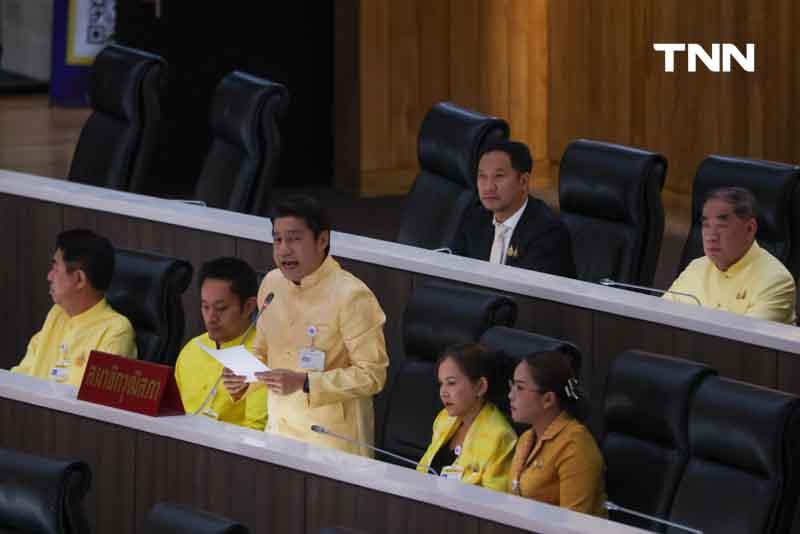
(694, 52)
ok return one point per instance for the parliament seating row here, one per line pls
(609, 197)
(117, 145)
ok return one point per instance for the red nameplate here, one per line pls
(133, 385)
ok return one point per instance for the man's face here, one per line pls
(295, 250)
(226, 317)
(501, 188)
(64, 285)
(726, 237)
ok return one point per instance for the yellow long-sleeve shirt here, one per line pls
(60, 350)
(487, 449)
(196, 372)
(758, 285)
(564, 467)
(348, 327)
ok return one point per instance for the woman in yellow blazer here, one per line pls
(472, 439)
(557, 461)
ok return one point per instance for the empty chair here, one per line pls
(775, 187)
(646, 441)
(742, 476)
(437, 315)
(117, 144)
(147, 289)
(42, 495)
(242, 161)
(448, 148)
(165, 518)
(610, 199)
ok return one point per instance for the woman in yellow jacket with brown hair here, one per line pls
(557, 461)
(472, 439)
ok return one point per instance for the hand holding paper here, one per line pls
(239, 360)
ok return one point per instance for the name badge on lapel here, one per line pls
(311, 358)
(452, 472)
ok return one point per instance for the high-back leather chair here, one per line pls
(610, 199)
(646, 441)
(742, 476)
(448, 148)
(166, 518)
(42, 495)
(117, 144)
(242, 161)
(775, 187)
(437, 315)
(147, 288)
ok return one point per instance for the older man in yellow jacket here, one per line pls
(321, 332)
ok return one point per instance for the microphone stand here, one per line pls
(608, 282)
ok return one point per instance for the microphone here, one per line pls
(322, 430)
(611, 507)
(213, 391)
(608, 282)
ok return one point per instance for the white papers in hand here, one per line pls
(238, 359)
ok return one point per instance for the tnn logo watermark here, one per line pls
(694, 52)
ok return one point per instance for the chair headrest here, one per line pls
(439, 315)
(33, 490)
(772, 184)
(450, 140)
(165, 518)
(607, 181)
(238, 102)
(517, 344)
(648, 395)
(116, 78)
(742, 425)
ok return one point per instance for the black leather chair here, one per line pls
(437, 315)
(610, 199)
(242, 161)
(774, 186)
(742, 476)
(165, 518)
(448, 148)
(646, 441)
(147, 289)
(117, 144)
(42, 495)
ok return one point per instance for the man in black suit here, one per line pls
(510, 226)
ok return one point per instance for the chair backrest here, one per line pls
(448, 148)
(242, 161)
(775, 187)
(166, 518)
(437, 315)
(117, 144)
(742, 476)
(43, 495)
(646, 441)
(610, 199)
(147, 289)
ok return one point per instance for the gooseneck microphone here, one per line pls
(322, 430)
(611, 507)
(213, 391)
(608, 282)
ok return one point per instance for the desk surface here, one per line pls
(499, 507)
(388, 254)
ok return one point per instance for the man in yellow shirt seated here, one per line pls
(228, 289)
(736, 274)
(80, 320)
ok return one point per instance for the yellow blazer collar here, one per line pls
(328, 267)
(553, 429)
(86, 316)
(455, 422)
(749, 257)
(240, 340)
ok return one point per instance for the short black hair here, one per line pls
(91, 253)
(306, 208)
(475, 360)
(744, 203)
(243, 279)
(519, 154)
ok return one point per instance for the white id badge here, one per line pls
(312, 359)
(59, 374)
(452, 472)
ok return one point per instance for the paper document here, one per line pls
(238, 359)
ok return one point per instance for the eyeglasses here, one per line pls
(519, 388)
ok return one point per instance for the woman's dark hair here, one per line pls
(553, 371)
(476, 361)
